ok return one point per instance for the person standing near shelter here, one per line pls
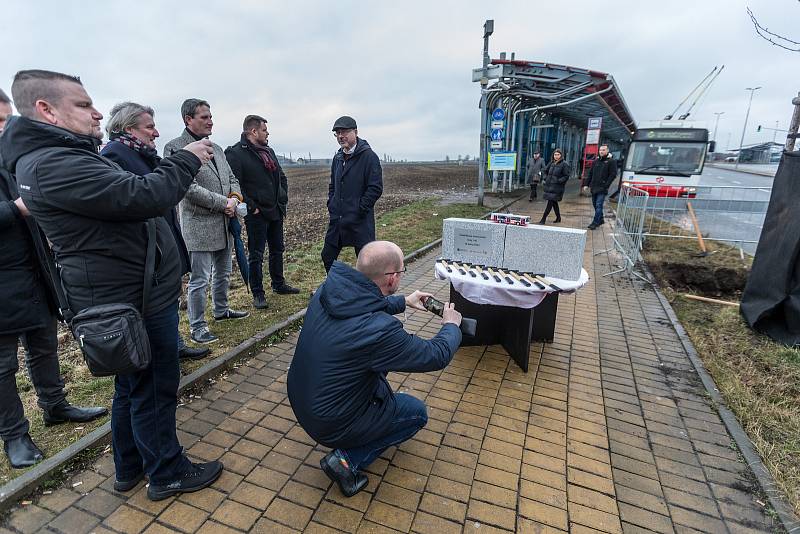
(337, 383)
(95, 215)
(29, 314)
(601, 176)
(205, 210)
(554, 179)
(132, 145)
(266, 193)
(534, 173)
(356, 185)
(620, 169)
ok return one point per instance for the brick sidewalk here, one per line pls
(609, 431)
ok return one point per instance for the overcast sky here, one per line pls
(403, 70)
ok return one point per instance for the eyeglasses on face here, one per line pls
(397, 272)
(342, 133)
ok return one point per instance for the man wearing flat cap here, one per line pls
(356, 185)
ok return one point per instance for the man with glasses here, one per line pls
(350, 340)
(356, 185)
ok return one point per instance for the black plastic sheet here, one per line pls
(771, 300)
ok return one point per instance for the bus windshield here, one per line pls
(664, 157)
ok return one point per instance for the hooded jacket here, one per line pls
(356, 185)
(555, 177)
(337, 380)
(94, 213)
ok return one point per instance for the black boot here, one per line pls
(196, 477)
(22, 452)
(335, 466)
(192, 353)
(65, 412)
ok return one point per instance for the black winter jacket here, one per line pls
(26, 293)
(95, 213)
(262, 189)
(555, 177)
(137, 163)
(602, 174)
(337, 381)
(356, 185)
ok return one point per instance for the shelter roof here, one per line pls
(576, 93)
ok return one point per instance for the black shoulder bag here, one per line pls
(112, 337)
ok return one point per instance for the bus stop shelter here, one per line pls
(547, 106)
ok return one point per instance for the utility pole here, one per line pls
(744, 128)
(794, 125)
(716, 124)
(775, 132)
(488, 29)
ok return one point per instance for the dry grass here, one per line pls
(760, 381)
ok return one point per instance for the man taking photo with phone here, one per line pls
(337, 381)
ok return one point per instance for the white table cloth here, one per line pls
(502, 293)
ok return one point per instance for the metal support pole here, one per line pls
(716, 124)
(744, 128)
(794, 125)
(488, 29)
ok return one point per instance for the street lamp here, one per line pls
(716, 124)
(744, 128)
(488, 29)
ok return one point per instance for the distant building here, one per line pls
(762, 153)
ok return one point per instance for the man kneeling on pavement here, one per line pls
(337, 382)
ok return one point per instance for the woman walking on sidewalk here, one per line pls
(554, 179)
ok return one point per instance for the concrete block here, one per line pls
(556, 252)
(473, 241)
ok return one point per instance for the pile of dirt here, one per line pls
(708, 280)
(677, 264)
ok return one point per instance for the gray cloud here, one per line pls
(402, 70)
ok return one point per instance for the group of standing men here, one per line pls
(93, 210)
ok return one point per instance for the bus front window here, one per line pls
(665, 158)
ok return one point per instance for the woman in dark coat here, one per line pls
(554, 178)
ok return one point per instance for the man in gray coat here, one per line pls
(205, 210)
(533, 175)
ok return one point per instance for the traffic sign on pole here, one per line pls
(498, 114)
(497, 135)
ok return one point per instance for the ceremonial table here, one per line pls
(508, 314)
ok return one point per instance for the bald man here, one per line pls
(349, 342)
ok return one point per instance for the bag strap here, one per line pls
(58, 286)
(149, 268)
(149, 263)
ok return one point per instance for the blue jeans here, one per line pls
(143, 413)
(597, 201)
(409, 417)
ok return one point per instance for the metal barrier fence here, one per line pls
(734, 215)
(730, 214)
(628, 227)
